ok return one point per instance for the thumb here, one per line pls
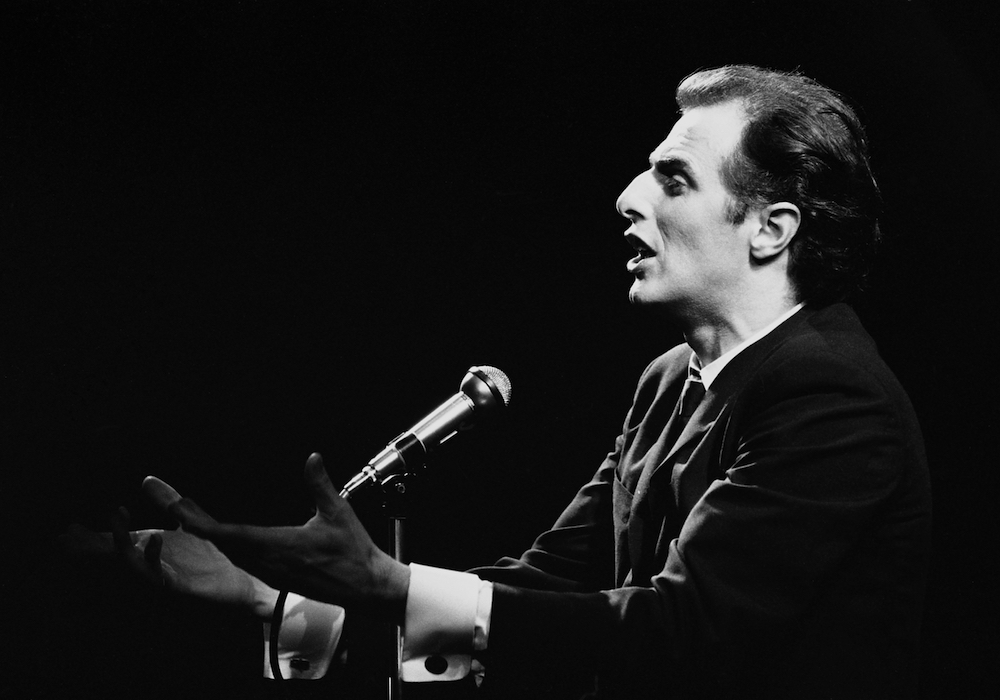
(152, 551)
(319, 485)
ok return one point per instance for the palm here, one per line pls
(197, 567)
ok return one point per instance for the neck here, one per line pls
(712, 336)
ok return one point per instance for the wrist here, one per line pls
(393, 585)
(262, 599)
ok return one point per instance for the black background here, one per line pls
(234, 233)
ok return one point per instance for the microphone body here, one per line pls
(484, 391)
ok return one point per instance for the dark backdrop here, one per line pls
(235, 233)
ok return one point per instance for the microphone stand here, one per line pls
(395, 505)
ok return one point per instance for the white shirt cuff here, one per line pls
(307, 639)
(447, 620)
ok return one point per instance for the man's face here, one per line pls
(690, 257)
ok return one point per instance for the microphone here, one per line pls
(483, 392)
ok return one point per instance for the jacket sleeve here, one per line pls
(577, 552)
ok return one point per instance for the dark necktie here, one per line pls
(691, 395)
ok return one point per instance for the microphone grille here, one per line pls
(500, 380)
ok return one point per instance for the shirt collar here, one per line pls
(710, 371)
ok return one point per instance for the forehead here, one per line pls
(703, 136)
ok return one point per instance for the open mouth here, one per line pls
(643, 250)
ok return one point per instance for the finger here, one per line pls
(193, 519)
(160, 492)
(322, 489)
(152, 554)
(119, 530)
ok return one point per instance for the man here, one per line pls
(761, 527)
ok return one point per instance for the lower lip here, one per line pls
(633, 264)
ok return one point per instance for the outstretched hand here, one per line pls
(174, 559)
(331, 558)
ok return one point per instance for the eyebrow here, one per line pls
(669, 165)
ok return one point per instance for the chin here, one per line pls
(641, 301)
(652, 298)
(637, 295)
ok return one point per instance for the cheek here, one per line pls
(702, 231)
(679, 240)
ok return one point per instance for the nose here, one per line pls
(628, 203)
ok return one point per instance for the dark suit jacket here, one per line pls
(777, 548)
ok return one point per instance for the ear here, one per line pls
(779, 223)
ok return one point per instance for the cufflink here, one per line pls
(435, 664)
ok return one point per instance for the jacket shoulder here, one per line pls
(831, 342)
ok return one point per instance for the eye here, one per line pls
(671, 177)
(674, 185)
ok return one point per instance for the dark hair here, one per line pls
(801, 144)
